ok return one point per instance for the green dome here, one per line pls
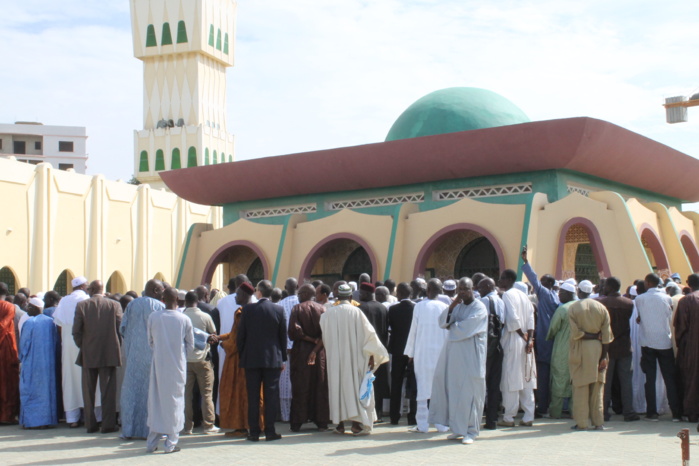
(455, 109)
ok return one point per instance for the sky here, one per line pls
(314, 75)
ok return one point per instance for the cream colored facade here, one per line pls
(620, 231)
(55, 221)
(185, 46)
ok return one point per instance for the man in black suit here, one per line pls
(262, 347)
(377, 314)
(400, 316)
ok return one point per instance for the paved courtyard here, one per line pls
(548, 442)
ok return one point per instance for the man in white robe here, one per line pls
(518, 365)
(170, 336)
(425, 342)
(458, 390)
(71, 373)
(352, 347)
(226, 308)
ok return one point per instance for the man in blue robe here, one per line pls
(138, 353)
(37, 378)
(548, 303)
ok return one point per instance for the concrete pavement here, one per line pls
(549, 442)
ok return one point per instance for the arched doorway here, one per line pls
(235, 258)
(116, 284)
(580, 252)
(477, 256)
(7, 276)
(460, 250)
(691, 250)
(62, 285)
(655, 251)
(339, 257)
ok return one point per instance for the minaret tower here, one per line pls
(185, 46)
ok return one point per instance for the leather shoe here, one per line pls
(253, 438)
(92, 430)
(271, 437)
(109, 431)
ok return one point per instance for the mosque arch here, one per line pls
(342, 256)
(143, 162)
(256, 271)
(454, 249)
(176, 162)
(181, 32)
(192, 157)
(580, 252)
(151, 41)
(116, 283)
(690, 249)
(237, 257)
(166, 38)
(62, 286)
(159, 276)
(9, 278)
(159, 160)
(654, 250)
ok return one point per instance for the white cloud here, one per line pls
(313, 75)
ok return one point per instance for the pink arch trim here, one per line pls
(216, 258)
(690, 248)
(429, 247)
(595, 242)
(656, 247)
(317, 250)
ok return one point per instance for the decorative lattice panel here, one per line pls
(483, 191)
(376, 201)
(279, 211)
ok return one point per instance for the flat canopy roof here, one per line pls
(584, 145)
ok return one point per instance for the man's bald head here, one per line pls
(170, 298)
(154, 289)
(96, 287)
(486, 286)
(306, 293)
(202, 293)
(291, 285)
(434, 288)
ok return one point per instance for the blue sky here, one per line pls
(313, 75)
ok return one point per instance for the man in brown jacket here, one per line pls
(96, 333)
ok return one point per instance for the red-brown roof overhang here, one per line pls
(585, 145)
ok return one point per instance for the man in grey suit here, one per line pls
(262, 348)
(96, 333)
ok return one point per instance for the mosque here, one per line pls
(462, 182)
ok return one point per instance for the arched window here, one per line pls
(181, 33)
(8, 278)
(192, 157)
(159, 160)
(211, 35)
(223, 157)
(215, 158)
(206, 156)
(175, 159)
(150, 36)
(167, 35)
(218, 40)
(225, 44)
(143, 164)
(230, 157)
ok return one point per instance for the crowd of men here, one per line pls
(459, 355)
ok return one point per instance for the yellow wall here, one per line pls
(55, 220)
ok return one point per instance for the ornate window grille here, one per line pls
(376, 201)
(279, 211)
(483, 191)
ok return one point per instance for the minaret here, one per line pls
(185, 46)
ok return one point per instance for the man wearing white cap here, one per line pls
(450, 288)
(38, 372)
(72, 373)
(590, 335)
